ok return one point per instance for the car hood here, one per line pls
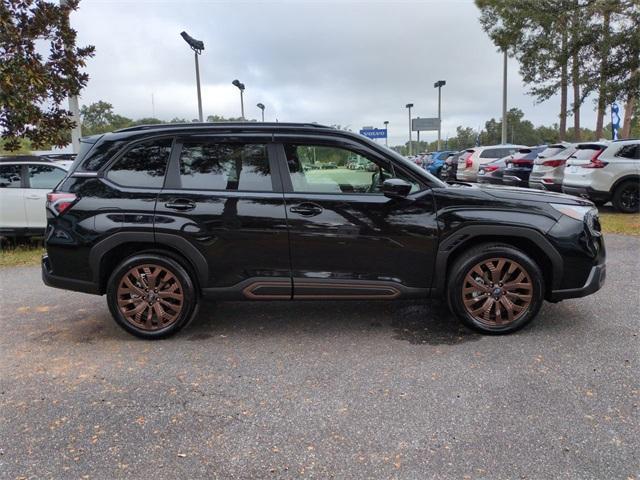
(532, 195)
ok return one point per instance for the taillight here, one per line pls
(468, 163)
(553, 163)
(59, 203)
(596, 162)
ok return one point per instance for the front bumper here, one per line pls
(594, 282)
(65, 283)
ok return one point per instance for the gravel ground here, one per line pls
(321, 390)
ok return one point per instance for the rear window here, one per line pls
(550, 152)
(143, 165)
(497, 152)
(586, 153)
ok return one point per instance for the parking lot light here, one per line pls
(197, 46)
(386, 138)
(240, 86)
(408, 106)
(261, 107)
(439, 84)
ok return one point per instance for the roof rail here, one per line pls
(159, 126)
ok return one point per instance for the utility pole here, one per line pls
(504, 98)
(74, 108)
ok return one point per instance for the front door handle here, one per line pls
(181, 204)
(307, 209)
(34, 197)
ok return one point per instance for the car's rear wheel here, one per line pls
(151, 296)
(626, 198)
(495, 288)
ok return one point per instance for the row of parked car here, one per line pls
(600, 171)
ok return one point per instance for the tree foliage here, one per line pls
(33, 85)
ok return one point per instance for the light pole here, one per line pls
(386, 133)
(504, 98)
(197, 46)
(439, 84)
(261, 107)
(408, 106)
(74, 108)
(240, 86)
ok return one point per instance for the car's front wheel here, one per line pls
(151, 296)
(495, 288)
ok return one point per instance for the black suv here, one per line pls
(157, 216)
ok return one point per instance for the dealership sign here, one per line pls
(374, 132)
(425, 124)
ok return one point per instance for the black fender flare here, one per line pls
(450, 245)
(176, 242)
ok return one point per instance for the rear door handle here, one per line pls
(306, 209)
(181, 204)
(34, 197)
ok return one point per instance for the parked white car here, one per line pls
(548, 167)
(24, 184)
(606, 171)
(469, 163)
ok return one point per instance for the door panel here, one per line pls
(12, 210)
(348, 236)
(216, 198)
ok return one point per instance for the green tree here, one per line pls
(100, 118)
(33, 87)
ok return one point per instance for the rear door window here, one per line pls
(225, 166)
(143, 165)
(10, 176)
(45, 176)
(629, 151)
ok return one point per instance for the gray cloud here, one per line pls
(350, 63)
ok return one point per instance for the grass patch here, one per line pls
(20, 256)
(621, 223)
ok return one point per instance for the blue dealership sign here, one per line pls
(374, 132)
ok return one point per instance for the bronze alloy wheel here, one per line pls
(497, 292)
(150, 297)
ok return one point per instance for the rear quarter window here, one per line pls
(629, 151)
(142, 165)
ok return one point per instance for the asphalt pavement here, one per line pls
(321, 390)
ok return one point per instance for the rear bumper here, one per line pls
(65, 283)
(586, 192)
(594, 282)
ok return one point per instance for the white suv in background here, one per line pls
(24, 184)
(469, 162)
(606, 171)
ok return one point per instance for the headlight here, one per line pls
(574, 211)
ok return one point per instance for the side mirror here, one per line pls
(396, 188)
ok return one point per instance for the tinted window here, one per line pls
(550, 152)
(143, 165)
(337, 170)
(225, 166)
(45, 176)
(10, 176)
(585, 153)
(629, 151)
(497, 152)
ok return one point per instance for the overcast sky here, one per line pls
(332, 62)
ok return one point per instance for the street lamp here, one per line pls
(261, 107)
(386, 137)
(408, 106)
(240, 86)
(197, 46)
(439, 84)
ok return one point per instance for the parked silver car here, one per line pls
(548, 167)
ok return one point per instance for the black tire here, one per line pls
(626, 197)
(492, 253)
(179, 284)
